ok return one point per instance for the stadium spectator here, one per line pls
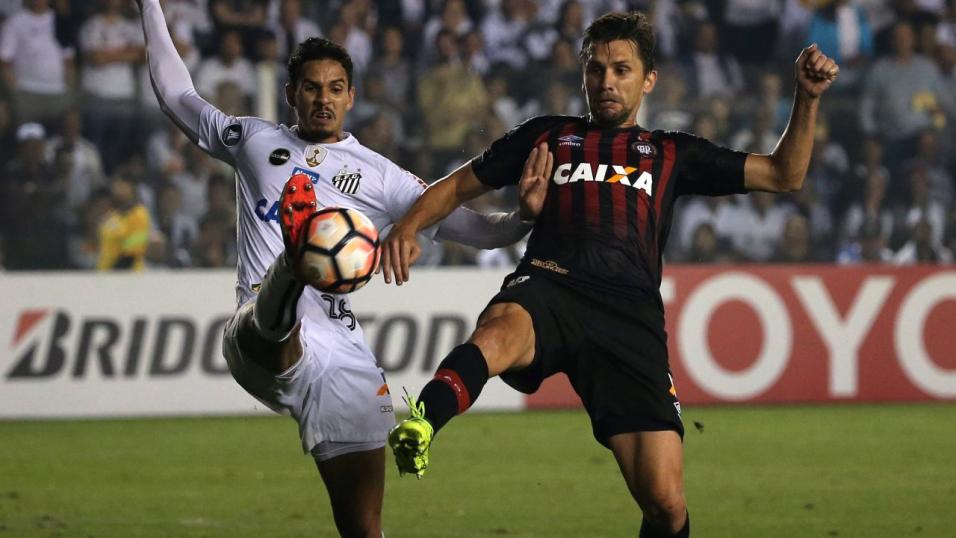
(449, 90)
(292, 27)
(747, 23)
(211, 249)
(35, 67)
(941, 180)
(193, 180)
(753, 224)
(124, 234)
(770, 96)
(473, 53)
(871, 206)
(821, 224)
(350, 32)
(9, 7)
(719, 108)
(829, 165)
(903, 94)
(7, 131)
(244, 16)
(669, 103)
(869, 246)
(84, 243)
(704, 246)
(452, 17)
(569, 27)
(503, 103)
(921, 206)
(86, 168)
(393, 67)
(694, 213)
(111, 47)
(271, 78)
(843, 32)
(711, 71)
(229, 66)
(378, 134)
(32, 221)
(923, 247)
(177, 229)
(504, 28)
(758, 136)
(795, 246)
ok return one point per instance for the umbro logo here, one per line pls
(570, 140)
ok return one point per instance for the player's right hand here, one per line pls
(399, 251)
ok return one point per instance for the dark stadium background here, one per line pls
(438, 80)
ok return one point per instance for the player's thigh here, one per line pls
(274, 357)
(355, 482)
(505, 335)
(652, 463)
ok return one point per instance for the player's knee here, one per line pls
(505, 337)
(665, 507)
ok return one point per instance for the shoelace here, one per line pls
(416, 408)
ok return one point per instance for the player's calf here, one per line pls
(275, 311)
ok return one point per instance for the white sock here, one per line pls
(275, 311)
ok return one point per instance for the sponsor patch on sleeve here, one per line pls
(231, 135)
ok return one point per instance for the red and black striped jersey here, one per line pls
(610, 199)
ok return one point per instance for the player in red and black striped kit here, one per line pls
(584, 300)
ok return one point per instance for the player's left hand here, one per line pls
(815, 71)
(533, 186)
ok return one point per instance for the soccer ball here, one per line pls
(340, 250)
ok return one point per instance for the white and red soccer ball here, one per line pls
(340, 250)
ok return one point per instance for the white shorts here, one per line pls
(336, 392)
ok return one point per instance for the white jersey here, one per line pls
(266, 155)
(345, 174)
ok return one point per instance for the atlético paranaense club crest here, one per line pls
(347, 180)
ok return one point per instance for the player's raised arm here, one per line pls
(170, 78)
(784, 169)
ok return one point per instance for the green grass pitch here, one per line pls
(849, 471)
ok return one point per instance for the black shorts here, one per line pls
(615, 354)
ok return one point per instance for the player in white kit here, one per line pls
(294, 348)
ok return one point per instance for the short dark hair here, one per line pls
(318, 48)
(632, 26)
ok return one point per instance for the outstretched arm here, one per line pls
(170, 78)
(784, 169)
(400, 249)
(482, 230)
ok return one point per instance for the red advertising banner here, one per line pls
(804, 334)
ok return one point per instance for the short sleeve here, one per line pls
(502, 162)
(706, 168)
(402, 190)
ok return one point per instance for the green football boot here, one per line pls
(410, 440)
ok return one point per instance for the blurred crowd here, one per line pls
(92, 175)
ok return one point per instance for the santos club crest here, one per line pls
(347, 181)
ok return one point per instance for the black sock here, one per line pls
(650, 532)
(456, 385)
